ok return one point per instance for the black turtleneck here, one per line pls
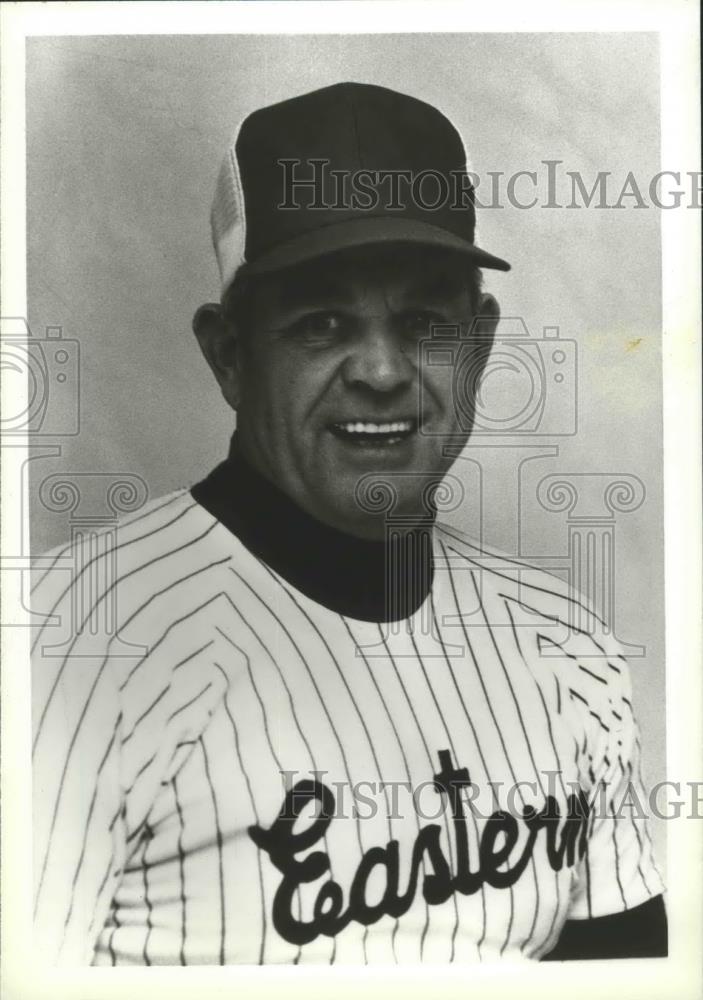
(377, 581)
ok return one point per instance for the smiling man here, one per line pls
(346, 734)
(320, 361)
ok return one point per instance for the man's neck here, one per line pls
(371, 580)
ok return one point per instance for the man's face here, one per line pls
(331, 384)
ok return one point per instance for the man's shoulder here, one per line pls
(163, 526)
(500, 570)
(553, 630)
(533, 595)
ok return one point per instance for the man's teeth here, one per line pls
(397, 427)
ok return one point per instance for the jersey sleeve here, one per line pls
(78, 830)
(113, 718)
(618, 870)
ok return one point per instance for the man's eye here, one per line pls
(319, 324)
(417, 322)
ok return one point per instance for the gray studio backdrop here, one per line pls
(124, 139)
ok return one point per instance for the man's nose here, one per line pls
(379, 360)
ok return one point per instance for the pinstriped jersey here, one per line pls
(226, 771)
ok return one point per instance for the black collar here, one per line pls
(368, 580)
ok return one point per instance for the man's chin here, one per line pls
(365, 485)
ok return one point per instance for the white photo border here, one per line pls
(681, 974)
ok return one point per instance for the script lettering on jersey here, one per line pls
(498, 840)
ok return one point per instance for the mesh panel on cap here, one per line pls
(228, 219)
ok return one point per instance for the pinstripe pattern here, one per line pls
(150, 771)
(405, 777)
(415, 709)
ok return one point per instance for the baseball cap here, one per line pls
(344, 166)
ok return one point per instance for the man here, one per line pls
(346, 735)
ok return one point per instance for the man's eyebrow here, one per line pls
(316, 292)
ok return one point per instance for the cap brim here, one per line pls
(363, 232)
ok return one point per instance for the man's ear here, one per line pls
(218, 342)
(488, 317)
(482, 335)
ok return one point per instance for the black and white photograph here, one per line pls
(340, 388)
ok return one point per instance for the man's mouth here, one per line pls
(373, 433)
